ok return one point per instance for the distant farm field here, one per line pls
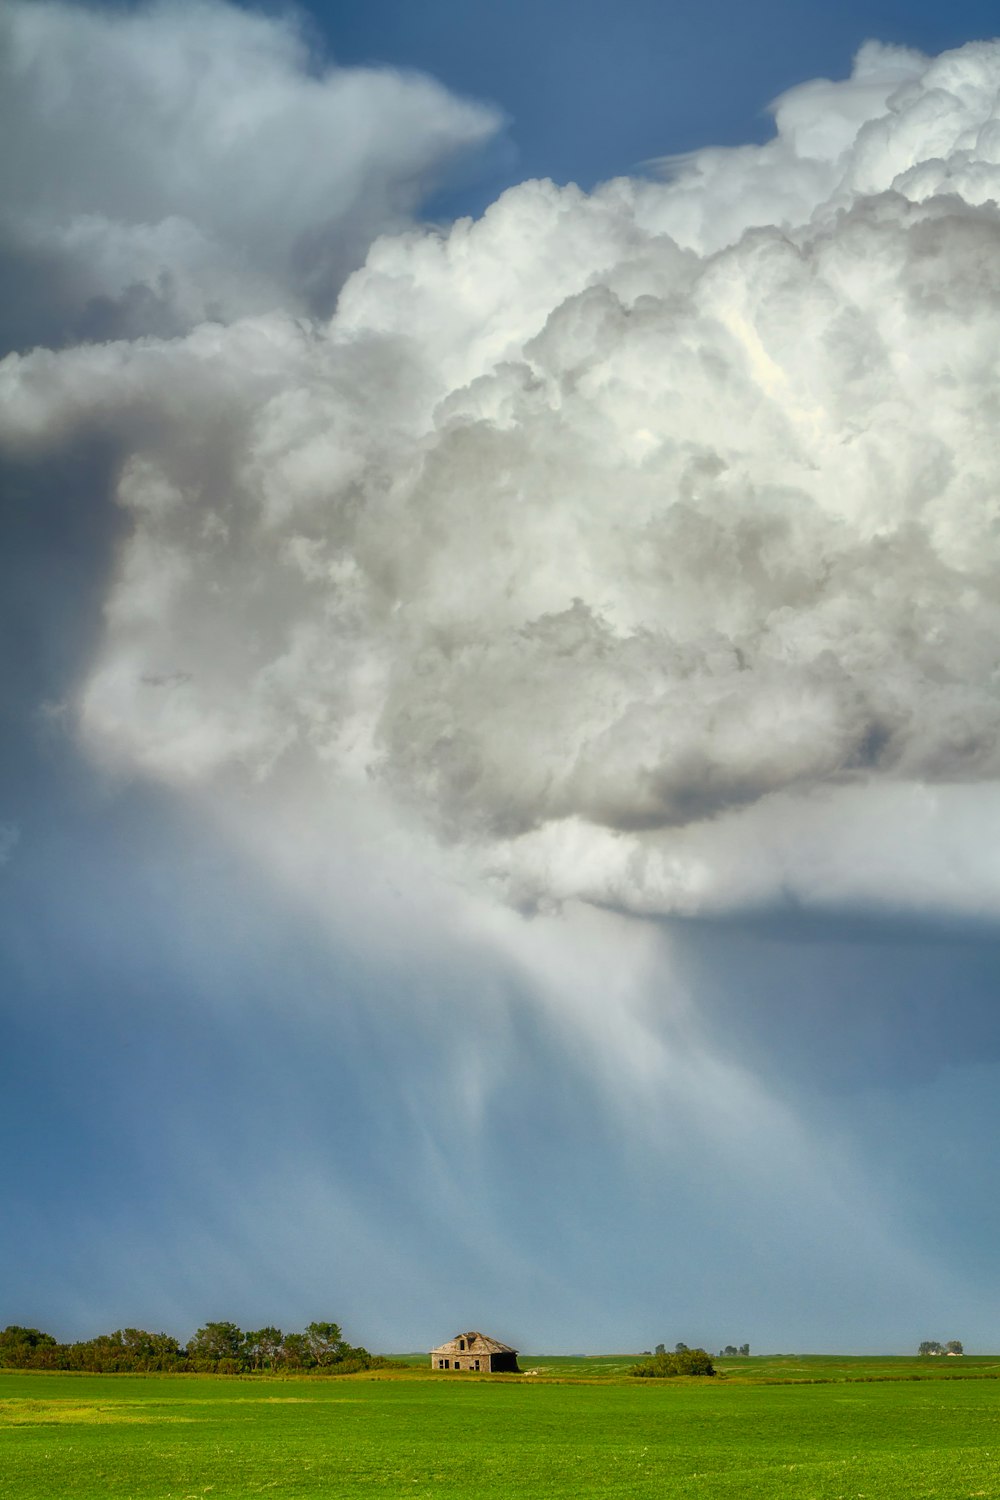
(124, 1437)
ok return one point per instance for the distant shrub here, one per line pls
(681, 1362)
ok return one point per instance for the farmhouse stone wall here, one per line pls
(474, 1351)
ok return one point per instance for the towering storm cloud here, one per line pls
(641, 545)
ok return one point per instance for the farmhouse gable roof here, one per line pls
(473, 1343)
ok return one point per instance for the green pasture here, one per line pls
(771, 1367)
(128, 1437)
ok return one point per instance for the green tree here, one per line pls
(326, 1343)
(296, 1351)
(148, 1351)
(28, 1348)
(217, 1346)
(262, 1347)
(929, 1346)
(954, 1346)
(682, 1362)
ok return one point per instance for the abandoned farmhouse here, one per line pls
(474, 1351)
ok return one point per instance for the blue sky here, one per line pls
(592, 93)
(553, 908)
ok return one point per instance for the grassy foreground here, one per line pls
(125, 1437)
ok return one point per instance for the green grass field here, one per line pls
(867, 1433)
(776, 1367)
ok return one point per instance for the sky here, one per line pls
(499, 788)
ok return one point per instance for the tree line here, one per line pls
(216, 1349)
(931, 1346)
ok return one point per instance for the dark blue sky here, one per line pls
(241, 1087)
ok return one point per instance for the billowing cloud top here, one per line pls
(643, 544)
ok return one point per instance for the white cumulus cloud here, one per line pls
(188, 159)
(642, 544)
